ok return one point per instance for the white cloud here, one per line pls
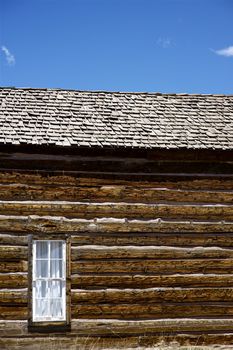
(9, 56)
(164, 42)
(227, 52)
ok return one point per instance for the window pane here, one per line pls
(56, 269)
(42, 307)
(42, 250)
(56, 249)
(56, 307)
(42, 289)
(56, 289)
(41, 268)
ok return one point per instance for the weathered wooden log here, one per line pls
(149, 252)
(118, 210)
(178, 181)
(114, 192)
(13, 240)
(13, 297)
(106, 327)
(14, 312)
(165, 239)
(13, 253)
(54, 224)
(150, 295)
(13, 266)
(153, 266)
(150, 310)
(13, 280)
(112, 341)
(143, 281)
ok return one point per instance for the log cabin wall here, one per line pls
(151, 245)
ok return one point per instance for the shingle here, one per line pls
(112, 119)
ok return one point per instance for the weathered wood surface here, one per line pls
(10, 239)
(150, 310)
(179, 181)
(153, 266)
(149, 252)
(147, 281)
(13, 297)
(13, 266)
(118, 210)
(13, 253)
(114, 192)
(13, 280)
(54, 224)
(14, 312)
(103, 327)
(153, 238)
(150, 295)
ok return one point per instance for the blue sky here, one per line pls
(122, 45)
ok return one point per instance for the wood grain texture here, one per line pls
(147, 281)
(13, 253)
(153, 266)
(153, 238)
(13, 266)
(149, 295)
(152, 310)
(54, 224)
(13, 280)
(149, 252)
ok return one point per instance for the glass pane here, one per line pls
(55, 289)
(56, 249)
(56, 307)
(41, 289)
(42, 307)
(41, 268)
(56, 268)
(42, 250)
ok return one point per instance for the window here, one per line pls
(48, 280)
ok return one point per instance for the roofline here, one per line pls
(115, 92)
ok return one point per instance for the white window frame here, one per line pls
(36, 318)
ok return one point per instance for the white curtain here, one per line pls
(49, 279)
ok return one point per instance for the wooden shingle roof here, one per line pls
(115, 119)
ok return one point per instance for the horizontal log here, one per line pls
(106, 327)
(149, 252)
(13, 297)
(14, 312)
(153, 266)
(13, 253)
(13, 266)
(118, 210)
(54, 224)
(112, 341)
(150, 310)
(13, 280)
(179, 181)
(105, 193)
(165, 239)
(149, 281)
(13, 240)
(151, 295)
